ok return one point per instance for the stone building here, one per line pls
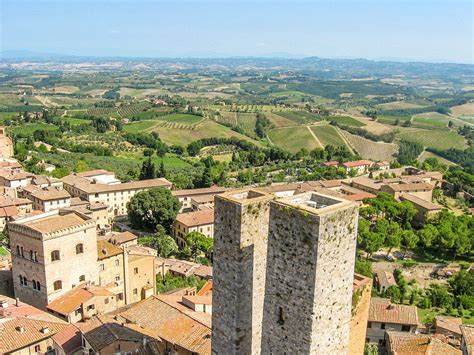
(52, 253)
(240, 253)
(283, 273)
(102, 186)
(196, 221)
(308, 291)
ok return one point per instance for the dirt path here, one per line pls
(343, 137)
(46, 101)
(315, 138)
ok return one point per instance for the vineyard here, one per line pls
(369, 149)
(133, 109)
(101, 111)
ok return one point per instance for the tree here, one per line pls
(409, 240)
(440, 296)
(148, 170)
(148, 209)
(364, 267)
(161, 149)
(199, 243)
(164, 244)
(393, 237)
(161, 170)
(80, 166)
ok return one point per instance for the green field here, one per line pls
(181, 118)
(328, 135)
(425, 155)
(74, 121)
(293, 139)
(431, 120)
(440, 139)
(247, 122)
(346, 121)
(300, 117)
(140, 126)
(392, 119)
(29, 128)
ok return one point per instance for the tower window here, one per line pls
(55, 255)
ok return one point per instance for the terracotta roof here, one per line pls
(14, 309)
(13, 201)
(89, 187)
(72, 300)
(20, 332)
(197, 218)
(359, 281)
(69, 339)
(17, 176)
(352, 164)
(409, 187)
(449, 323)
(330, 183)
(101, 331)
(330, 163)
(386, 278)
(383, 311)
(367, 182)
(382, 163)
(201, 191)
(106, 249)
(50, 224)
(404, 343)
(203, 198)
(358, 196)
(121, 237)
(170, 324)
(206, 289)
(96, 172)
(8, 211)
(421, 202)
(50, 193)
(467, 331)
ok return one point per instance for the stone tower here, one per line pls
(310, 265)
(240, 249)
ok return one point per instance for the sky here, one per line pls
(421, 30)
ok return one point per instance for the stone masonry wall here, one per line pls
(309, 279)
(240, 243)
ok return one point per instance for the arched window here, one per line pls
(79, 248)
(18, 250)
(23, 281)
(31, 255)
(36, 285)
(55, 255)
(82, 278)
(58, 285)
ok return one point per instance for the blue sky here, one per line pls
(439, 30)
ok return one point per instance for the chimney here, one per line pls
(4, 304)
(20, 329)
(44, 330)
(17, 301)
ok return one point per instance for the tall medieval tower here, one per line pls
(240, 253)
(283, 273)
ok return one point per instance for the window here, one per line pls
(79, 248)
(82, 278)
(405, 328)
(117, 262)
(101, 267)
(369, 324)
(135, 291)
(90, 307)
(36, 285)
(31, 254)
(120, 296)
(58, 285)
(37, 348)
(117, 277)
(106, 301)
(21, 252)
(55, 255)
(382, 326)
(35, 257)
(23, 281)
(135, 270)
(18, 250)
(96, 194)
